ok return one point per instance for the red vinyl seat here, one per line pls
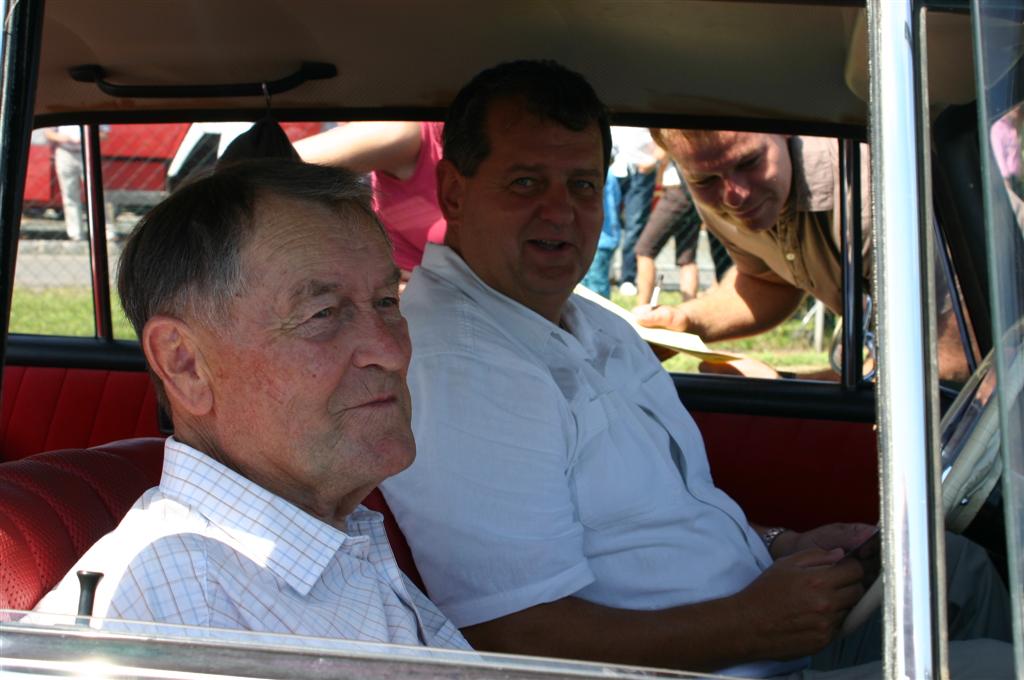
(47, 408)
(55, 505)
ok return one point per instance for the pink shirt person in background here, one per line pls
(401, 155)
(1005, 138)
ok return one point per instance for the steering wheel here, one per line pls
(971, 464)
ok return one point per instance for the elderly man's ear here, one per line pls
(174, 354)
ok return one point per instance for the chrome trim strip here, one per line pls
(909, 631)
(67, 651)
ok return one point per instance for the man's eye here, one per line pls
(325, 313)
(750, 162)
(702, 182)
(524, 182)
(584, 185)
(387, 302)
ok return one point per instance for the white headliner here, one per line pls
(695, 57)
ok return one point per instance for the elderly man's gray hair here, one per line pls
(183, 258)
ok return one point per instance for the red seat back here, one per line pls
(48, 408)
(55, 505)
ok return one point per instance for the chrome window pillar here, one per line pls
(914, 642)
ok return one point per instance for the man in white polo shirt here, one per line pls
(561, 503)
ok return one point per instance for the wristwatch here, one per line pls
(770, 535)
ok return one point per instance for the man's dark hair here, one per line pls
(183, 259)
(550, 91)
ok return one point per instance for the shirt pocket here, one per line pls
(612, 479)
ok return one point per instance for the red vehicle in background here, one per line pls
(135, 163)
(141, 162)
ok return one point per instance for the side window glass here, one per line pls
(1005, 136)
(52, 287)
(956, 346)
(141, 164)
(1000, 67)
(655, 239)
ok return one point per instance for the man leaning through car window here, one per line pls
(773, 202)
(266, 302)
(562, 503)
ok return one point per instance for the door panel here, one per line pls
(793, 454)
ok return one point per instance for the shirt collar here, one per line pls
(266, 528)
(584, 334)
(562, 351)
(528, 327)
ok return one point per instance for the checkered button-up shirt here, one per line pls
(209, 548)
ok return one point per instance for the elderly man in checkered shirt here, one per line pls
(266, 302)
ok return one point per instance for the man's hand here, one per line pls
(663, 316)
(740, 305)
(796, 607)
(792, 609)
(825, 537)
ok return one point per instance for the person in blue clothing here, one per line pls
(634, 166)
(598, 277)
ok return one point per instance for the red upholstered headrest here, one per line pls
(55, 505)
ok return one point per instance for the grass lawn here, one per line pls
(68, 312)
(62, 311)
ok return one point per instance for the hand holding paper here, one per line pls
(675, 340)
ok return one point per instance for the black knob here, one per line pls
(88, 581)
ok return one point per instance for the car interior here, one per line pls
(80, 431)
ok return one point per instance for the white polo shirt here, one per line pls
(553, 463)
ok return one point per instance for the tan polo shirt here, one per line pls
(803, 247)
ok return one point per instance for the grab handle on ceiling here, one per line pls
(309, 70)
